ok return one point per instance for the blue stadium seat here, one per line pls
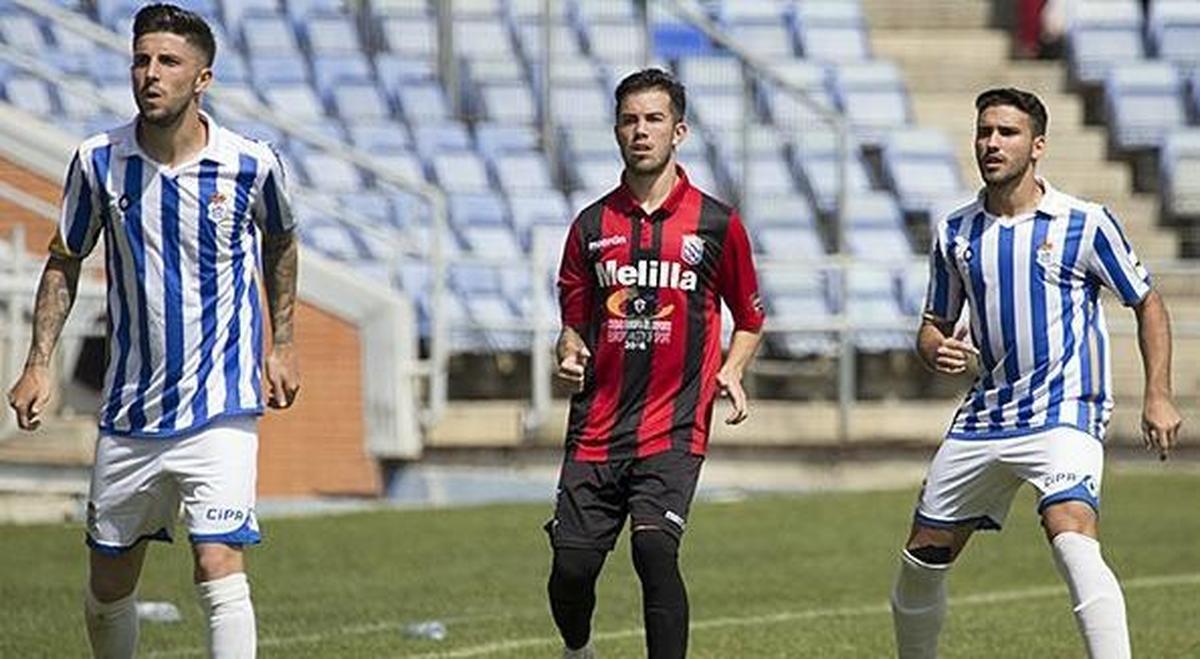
(770, 41)
(615, 43)
(461, 171)
(493, 242)
(492, 10)
(874, 210)
(921, 167)
(581, 106)
(873, 97)
(230, 67)
(302, 11)
(359, 102)
(482, 39)
(407, 8)
(226, 101)
(1101, 34)
(819, 172)
(268, 34)
(712, 72)
(269, 70)
(599, 174)
(297, 101)
(752, 11)
(494, 139)
(788, 242)
(330, 70)
(522, 172)
(327, 34)
(1179, 162)
(331, 174)
(545, 208)
(790, 210)
(834, 44)
(717, 110)
(232, 11)
(411, 36)
(508, 104)
(564, 40)
(1174, 29)
(106, 66)
(23, 31)
(380, 137)
(371, 204)
(33, 95)
(678, 40)
(255, 130)
(829, 13)
(423, 102)
(395, 71)
(435, 137)
(1143, 101)
(803, 308)
(477, 209)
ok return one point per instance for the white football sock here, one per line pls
(918, 607)
(231, 631)
(112, 626)
(1099, 604)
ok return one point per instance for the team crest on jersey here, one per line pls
(123, 203)
(692, 249)
(218, 207)
(1045, 254)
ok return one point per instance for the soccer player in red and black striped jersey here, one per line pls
(643, 275)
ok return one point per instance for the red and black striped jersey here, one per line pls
(645, 291)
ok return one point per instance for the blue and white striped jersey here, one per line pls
(185, 322)
(1032, 285)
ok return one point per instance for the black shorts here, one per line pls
(594, 498)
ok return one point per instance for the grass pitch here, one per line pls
(778, 576)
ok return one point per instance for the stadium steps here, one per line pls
(927, 13)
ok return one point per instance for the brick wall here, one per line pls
(315, 448)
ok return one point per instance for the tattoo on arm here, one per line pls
(55, 297)
(280, 262)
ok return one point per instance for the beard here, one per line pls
(646, 166)
(161, 115)
(1007, 175)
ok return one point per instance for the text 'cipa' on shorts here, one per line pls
(138, 486)
(972, 482)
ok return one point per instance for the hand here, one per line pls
(30, 395)
(953, 352)
(1160, 424)
(283, 377)
(731, 388)
(573, 358)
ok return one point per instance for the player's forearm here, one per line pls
(929, 337)
(1154, 340)
(55, 297)
(280, 264)
(742, 347)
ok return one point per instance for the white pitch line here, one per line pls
(1141, 583)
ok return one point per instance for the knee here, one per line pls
(930, 555)
(215, 561)
(576, 568)
(114, 578)
(654, 551)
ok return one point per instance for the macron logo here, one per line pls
(611, 241)
(646, 274)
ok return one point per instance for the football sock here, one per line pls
(572, 589)
(112, 627)
(664, 596)
(231, 629)
(1099, 604)
(918, 607)
(585, 652)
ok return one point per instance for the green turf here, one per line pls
(768, 577)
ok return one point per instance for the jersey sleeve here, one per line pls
(1113, 261)
(737, 282)
(273, 206)
(944, 295)
(575, 283)
(80, 222)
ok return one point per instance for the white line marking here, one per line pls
(1141, 583)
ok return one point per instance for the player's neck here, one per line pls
(651, 190)
(1014, 198)
(175, 143)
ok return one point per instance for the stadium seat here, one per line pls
(358, 102)
(268, 34)
(802, 309)
(522, 172)
(477, 209)
(482, 39)
(711, 72)
(423, 102)
(873, 97)
(879, 310)
(331, 70)
(494, 139)
(618, 44)
(460, 171)
(1143, 101)
(267, 71)
(327, 34)
(581, 106)
(411, 36)
(1179, 162)
(530, 210)
(394, 71)
(331, 174)
(834, 44)
(788, 242)
(770, 41)
(507, 104)
(920, 166)
(297, 101)
(379, 136)
(34, 95)
(22, 31)
(495, 243)
(1174, 29)
(820, 173)
(437, 136)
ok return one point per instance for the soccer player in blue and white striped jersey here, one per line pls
(1028, 262)
(190, 213)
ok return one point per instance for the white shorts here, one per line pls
(139, 484)
(972, 482)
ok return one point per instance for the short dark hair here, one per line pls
(1022, 100)
(653, 78)
(176, 20)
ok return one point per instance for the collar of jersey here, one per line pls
(1053, 204)
(624, 201)
(127, 145)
